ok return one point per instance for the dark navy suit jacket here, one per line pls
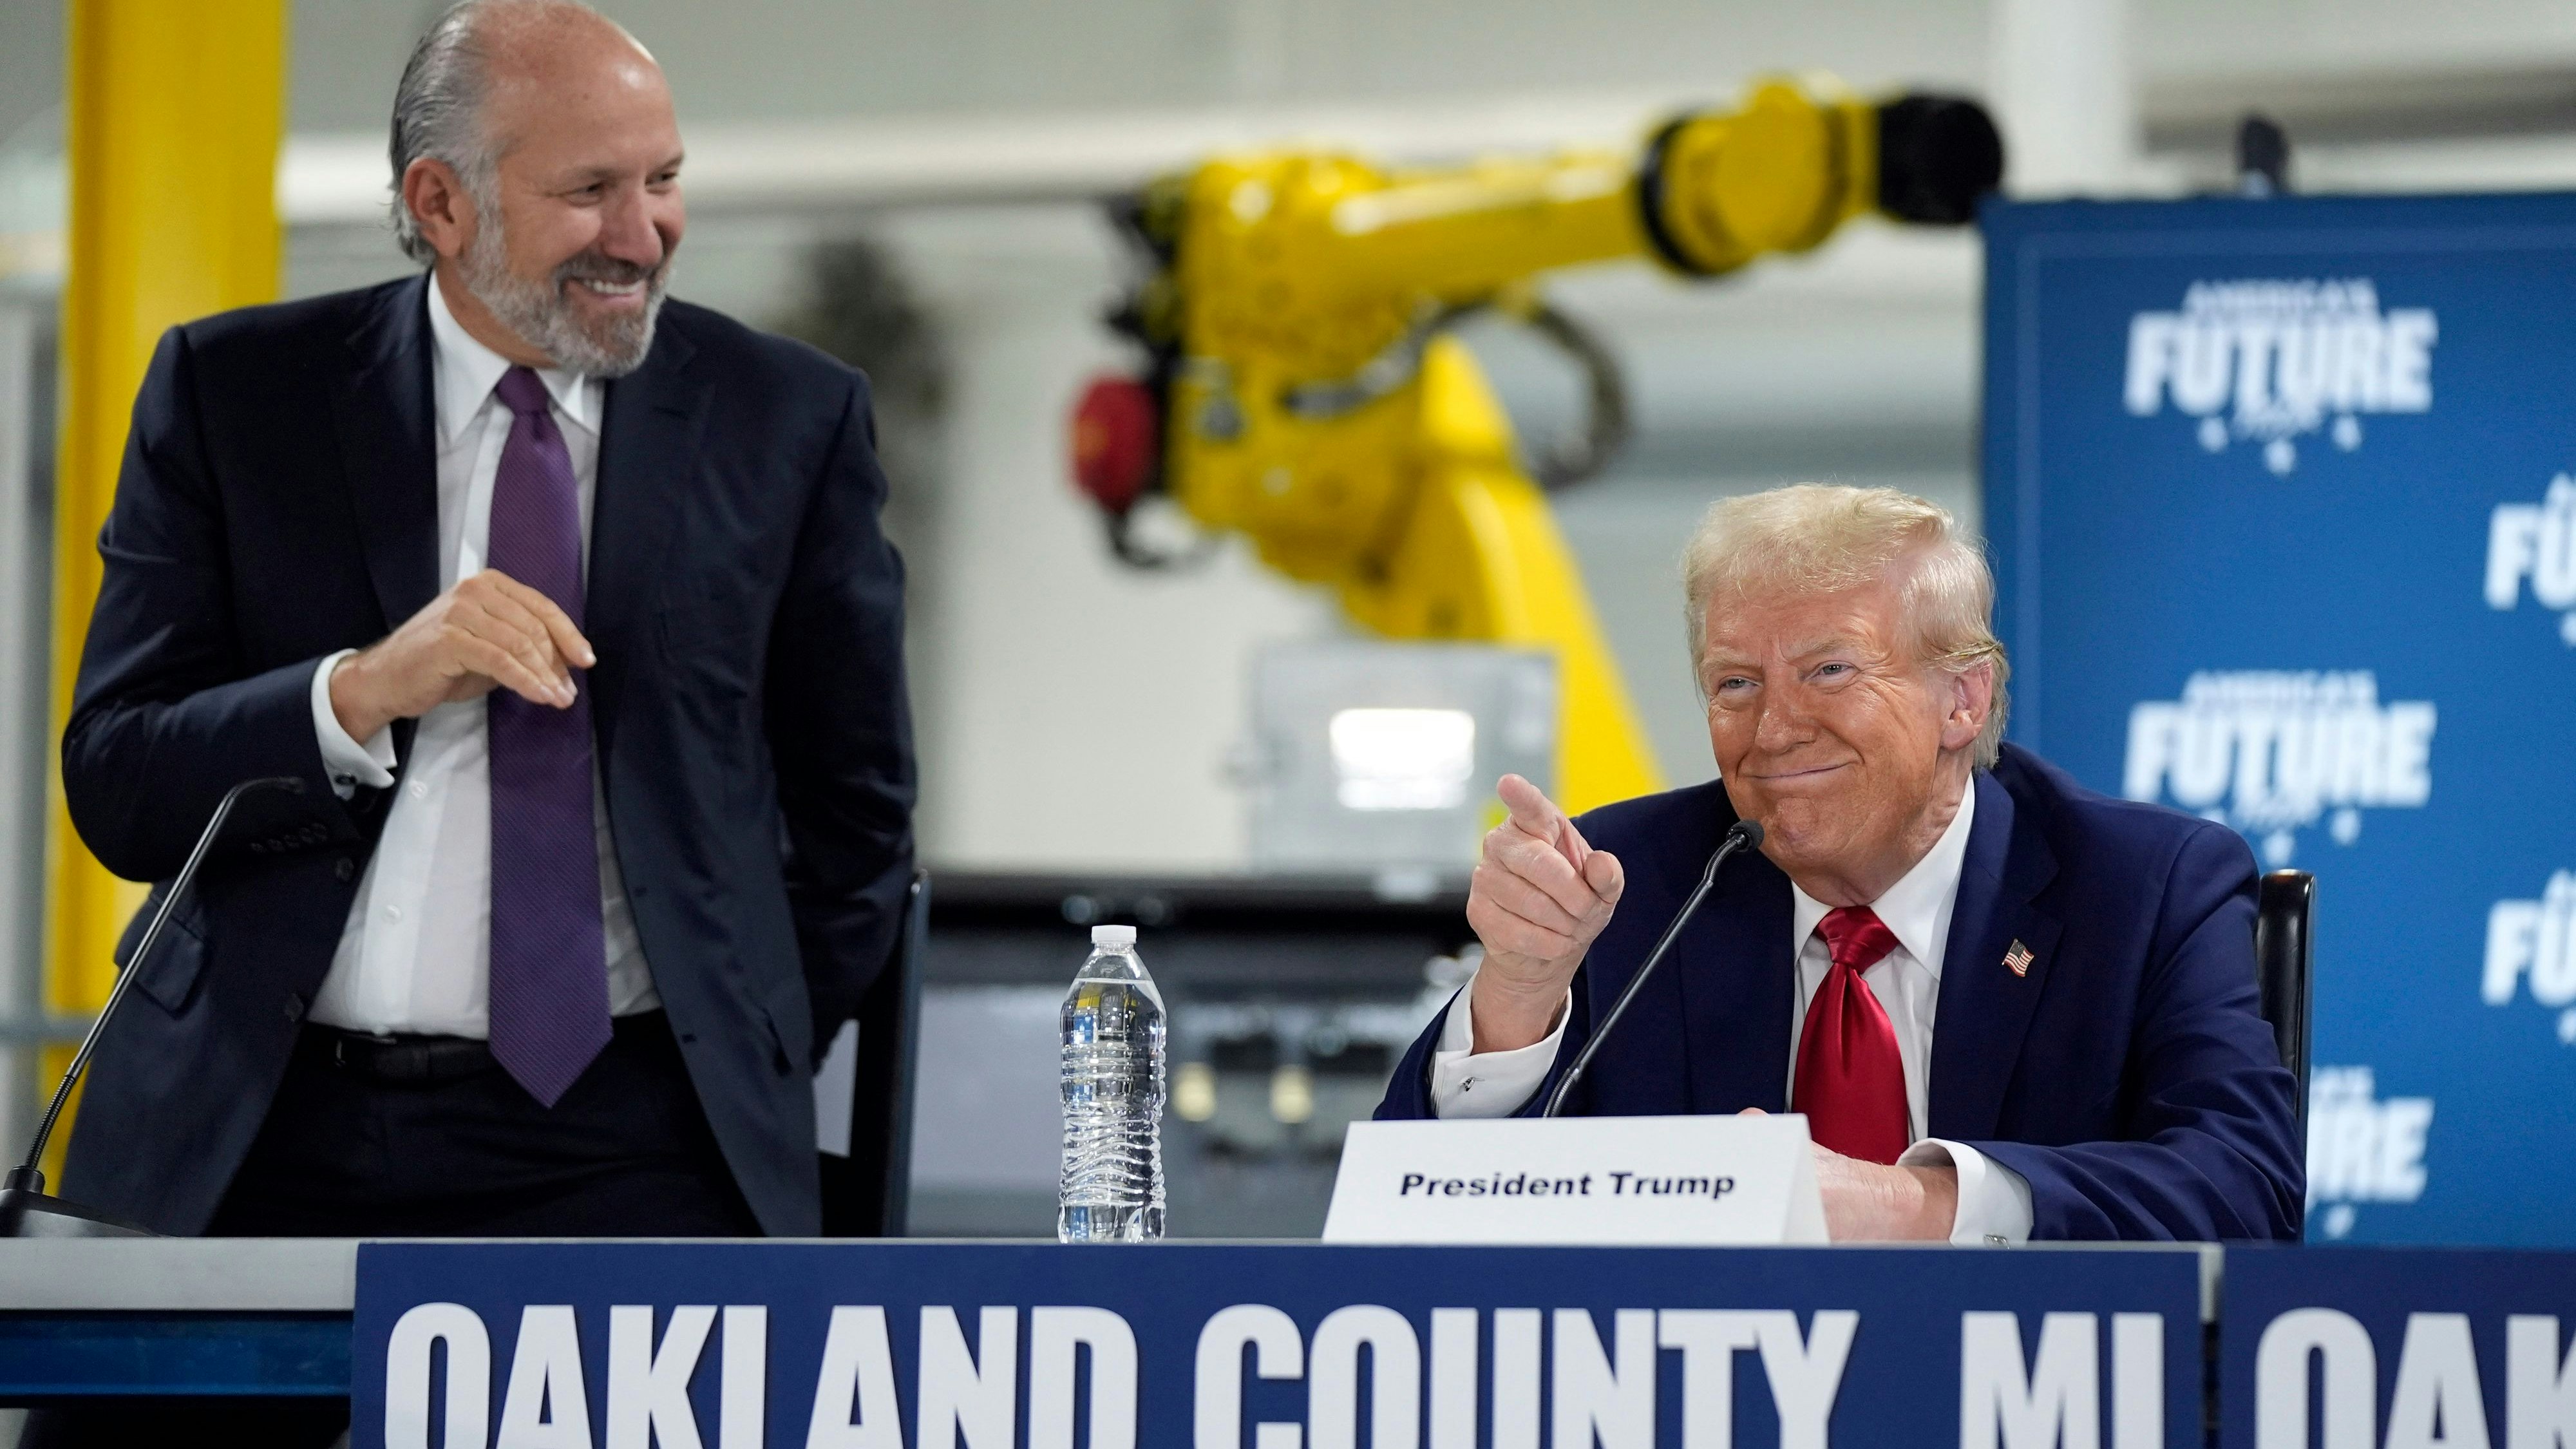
(279, 502)
(2127, 1076)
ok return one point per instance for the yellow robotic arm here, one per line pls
(1303, 392)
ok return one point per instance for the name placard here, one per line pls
(1578, 1180)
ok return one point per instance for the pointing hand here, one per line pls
(1540, 896)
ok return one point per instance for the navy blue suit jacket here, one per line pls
(279, 502)
(2127, 1076)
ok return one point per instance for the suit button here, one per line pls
(294, 1007)
(344, 868)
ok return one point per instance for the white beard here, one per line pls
(542, 315)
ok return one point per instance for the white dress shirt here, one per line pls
(1994, 1200)
(416, 955)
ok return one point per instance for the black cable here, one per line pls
(1573, 460)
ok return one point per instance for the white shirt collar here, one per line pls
(1916, 910)
(467, 371)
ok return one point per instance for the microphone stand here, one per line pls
(1743, 834)
(25, 1209)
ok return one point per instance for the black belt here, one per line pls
(398, 1058)
(423, 1058)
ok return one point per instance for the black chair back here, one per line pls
(2284, 955)
(865, 1195)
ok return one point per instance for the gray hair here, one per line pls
(438, 110)
(438, 116)
(1815, 538)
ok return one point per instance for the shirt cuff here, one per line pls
(348, 763)
(1994, 1200)
(1466, 1083)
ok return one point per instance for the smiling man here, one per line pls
(568, 604)
(2097, 1069)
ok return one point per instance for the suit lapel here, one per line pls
(386, 419)
(1985, 1007)
(647, 451)
(1737, 992)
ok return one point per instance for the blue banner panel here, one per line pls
(2282, 497)
(1177, 1346)
(68, 1355)
(2367, 1346)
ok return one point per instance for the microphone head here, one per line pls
(1750, 831)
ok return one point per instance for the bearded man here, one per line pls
(570, 608)
(2009, 1008)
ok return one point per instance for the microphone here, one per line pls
(1744, 834)
(25, 1210)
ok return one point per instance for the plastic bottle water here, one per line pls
(1113, 1098)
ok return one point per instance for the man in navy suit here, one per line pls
(2098, 1068)
(570, 608)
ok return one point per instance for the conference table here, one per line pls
(917, 1344)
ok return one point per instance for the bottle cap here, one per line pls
(1113, 935)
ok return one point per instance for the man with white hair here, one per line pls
(569, 606)
(2098, 1069)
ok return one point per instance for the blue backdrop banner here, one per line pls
(2282, 498)
(2377, 1346)
(1177, 1346)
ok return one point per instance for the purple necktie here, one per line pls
(549, 963)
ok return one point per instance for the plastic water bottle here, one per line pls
(1113, 1098)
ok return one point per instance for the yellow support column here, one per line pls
(176, 112)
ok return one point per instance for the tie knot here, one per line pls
(1856, 937)
(523, 393)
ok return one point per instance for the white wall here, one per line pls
(2388, 38)
(804, 58)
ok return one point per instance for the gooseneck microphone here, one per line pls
(1743, 835)
(25, 1210)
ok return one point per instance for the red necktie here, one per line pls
(1851, 1082)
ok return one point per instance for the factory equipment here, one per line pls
(1381, 758)
(1301, 386)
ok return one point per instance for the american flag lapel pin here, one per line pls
(2018, 958)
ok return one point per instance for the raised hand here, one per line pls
(1539, 897)
(489, 632)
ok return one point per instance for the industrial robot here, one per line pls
(1302, 386)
